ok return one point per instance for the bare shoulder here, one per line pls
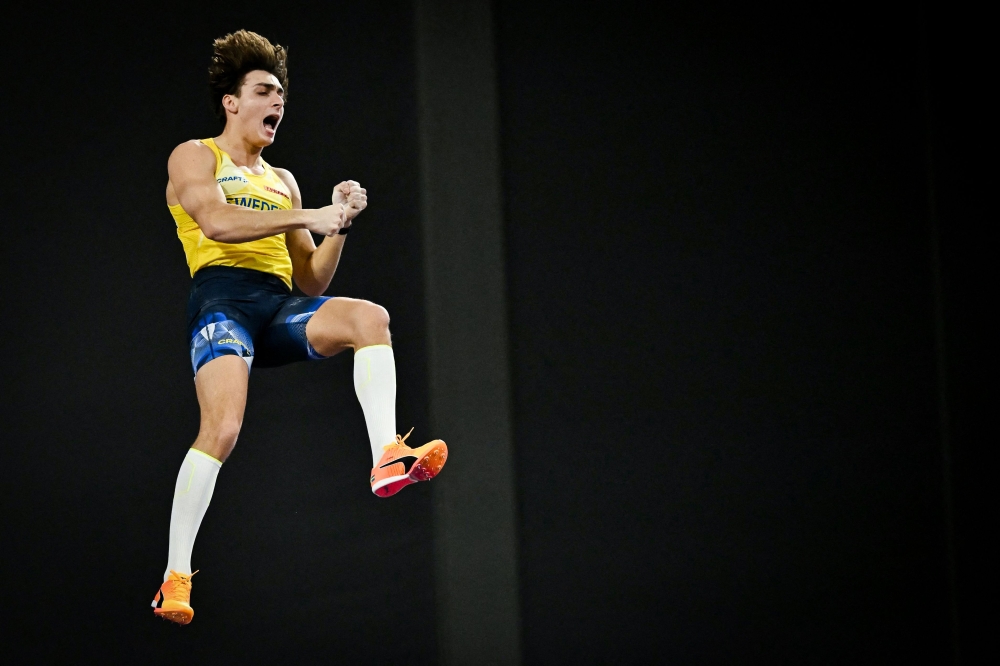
(288, 179)
(191, 155)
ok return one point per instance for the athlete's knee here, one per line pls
(370, 317)
(221, 436)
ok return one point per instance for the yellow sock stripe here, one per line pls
(202, 453)
(368, 366)
(358, 351)
(190, 477)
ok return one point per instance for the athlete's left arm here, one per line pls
(313, 267)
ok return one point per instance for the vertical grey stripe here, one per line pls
(475, 520)
(940, 344)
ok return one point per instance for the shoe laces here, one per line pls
(399, 441)
(182, 580)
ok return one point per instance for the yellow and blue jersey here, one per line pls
(264, 192)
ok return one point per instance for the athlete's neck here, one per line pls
(243, 152)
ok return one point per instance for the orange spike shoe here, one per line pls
(176, 598)
(400, 465)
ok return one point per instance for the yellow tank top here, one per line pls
(264, 192)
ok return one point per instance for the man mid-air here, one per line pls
(246, 238)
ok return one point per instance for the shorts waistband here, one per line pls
(247, 276)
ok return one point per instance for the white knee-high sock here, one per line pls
(192, 495)
(375, 384)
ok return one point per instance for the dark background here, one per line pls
(744, 278)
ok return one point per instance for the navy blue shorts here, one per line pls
(250, 314)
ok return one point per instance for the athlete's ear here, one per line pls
(231, 103)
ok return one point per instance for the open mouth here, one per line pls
(271, 122)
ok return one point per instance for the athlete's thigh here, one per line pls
(221, 384)
(310, 328)
(335, 326)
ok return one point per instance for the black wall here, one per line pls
(723, 328)
(726, 344)
(961, 197)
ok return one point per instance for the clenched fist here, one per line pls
(328, 220)
(353, 197)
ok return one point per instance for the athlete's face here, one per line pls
(259, 107)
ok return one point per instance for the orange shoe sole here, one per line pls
(426, 468)
(177, 614)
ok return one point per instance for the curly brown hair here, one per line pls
(234, 56)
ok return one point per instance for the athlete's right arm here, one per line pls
(192, 177)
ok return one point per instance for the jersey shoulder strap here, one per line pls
(215, 149)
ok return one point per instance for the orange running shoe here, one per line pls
(400, 465)
(176, 592)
